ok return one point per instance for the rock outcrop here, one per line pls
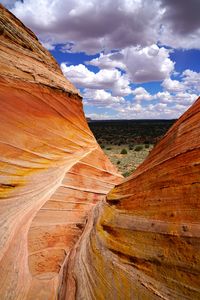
(61, 237)
(143, 242)
(52, 169)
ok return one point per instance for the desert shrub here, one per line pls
(126, 174)
(146, 146)
(124, 151)
(102, 146)
(108, 148)
(118, 162)
(138, 148)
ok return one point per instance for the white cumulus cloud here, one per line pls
(141, 64)
(93, 26)
(104, 79)
(102, 98)
(141, 94)
(173, 85)
(132, 38)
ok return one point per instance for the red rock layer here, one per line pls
(60, 238)
(143, 242)
(59, 223)
(23, 57)
(52, 171)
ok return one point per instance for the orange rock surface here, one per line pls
(60, 238)
(52, 170)
(143, 241)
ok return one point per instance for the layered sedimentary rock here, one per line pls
(52, 171)
(61, 238)
(143, 241)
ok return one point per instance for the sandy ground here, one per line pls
(126, 163)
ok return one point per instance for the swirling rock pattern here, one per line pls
(61, 237)
(143, 241)
(52, 171)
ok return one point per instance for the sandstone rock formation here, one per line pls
(60, 237)
(143, 242)
(52, 169)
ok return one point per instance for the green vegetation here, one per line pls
(136, 137)
(129, 132)
(123, 151)
(126, 174)
(126, 163)
(138, 148)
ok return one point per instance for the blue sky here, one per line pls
(130, 59)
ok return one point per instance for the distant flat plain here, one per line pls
(128, 142)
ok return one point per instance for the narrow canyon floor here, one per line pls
(127, 158)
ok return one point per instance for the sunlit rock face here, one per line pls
(143, 241)
(52, 171)
(60, 236)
